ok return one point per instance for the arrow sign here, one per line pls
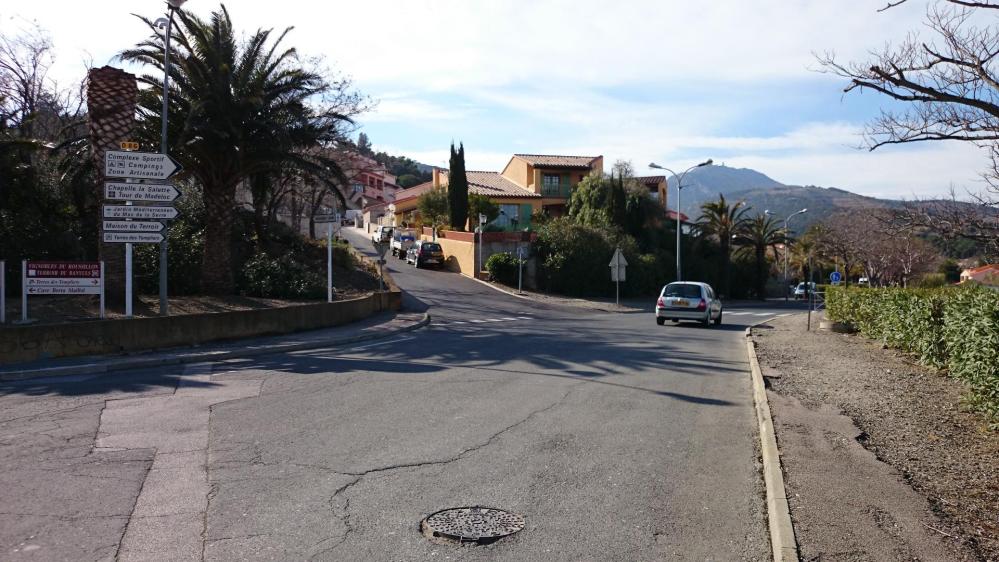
(139, 165)
(618, 260)
(133, 212)
(132, 238)
(133, 226)
(140, 192)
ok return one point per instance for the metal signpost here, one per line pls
(137, 166)
(3, 292)
(382, 248)
(482, 247)
(329, 220)
(618, 266)
(60, 278)
(521, 256)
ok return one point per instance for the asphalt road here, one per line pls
(615, 439)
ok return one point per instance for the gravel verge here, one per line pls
(909, 419)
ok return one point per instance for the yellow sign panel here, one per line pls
(129, 145)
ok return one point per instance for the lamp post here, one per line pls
(173, 5)
(679, 186)
(786, 246)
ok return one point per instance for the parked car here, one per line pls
(402, 240)
(688, 300)
(382, 234)
(800, 291)
(423, 253)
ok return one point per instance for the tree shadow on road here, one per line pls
(587, 354)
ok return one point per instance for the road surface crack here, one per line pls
(343, 511)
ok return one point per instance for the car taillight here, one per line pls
(661, 303)
(702, 305)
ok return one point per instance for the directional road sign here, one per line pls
(135, 212)
(139, 165)
(140, 192)
(62, 278)
(133, 226)
(618, 265)
(324, 218)
(133, 237)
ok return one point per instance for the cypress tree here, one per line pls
(457, 188)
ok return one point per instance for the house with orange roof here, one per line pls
(528, 184)
(984, 275)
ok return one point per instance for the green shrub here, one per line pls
(283, 277)
(503, 267)
(952, 328)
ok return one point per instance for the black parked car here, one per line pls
(423, 253)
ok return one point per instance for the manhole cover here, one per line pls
(472, 524)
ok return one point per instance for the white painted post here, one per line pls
(24, 291)
(102, 290)
(3, 292)
(128, 280)
(329, 262)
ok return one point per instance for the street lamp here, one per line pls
(786, 246)
(173, 5)
(679, 186)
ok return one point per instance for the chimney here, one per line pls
(437, 177)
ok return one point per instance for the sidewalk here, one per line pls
(376, 327)
(881, 460)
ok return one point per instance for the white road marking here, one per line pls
(376, 344)
(763, 314)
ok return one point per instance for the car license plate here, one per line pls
(431, 261)
(681, 302)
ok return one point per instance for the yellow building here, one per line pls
(530, 183)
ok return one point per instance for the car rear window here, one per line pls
(683, 290)
(432, 247)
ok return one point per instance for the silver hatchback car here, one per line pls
(688, 300)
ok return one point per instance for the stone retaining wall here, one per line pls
(30, 343)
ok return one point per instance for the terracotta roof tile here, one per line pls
(558, 161)
(492, 184)
(415, 191)
(651, 180)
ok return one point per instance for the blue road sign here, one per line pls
(835, 277)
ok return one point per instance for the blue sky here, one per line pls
(668, 81)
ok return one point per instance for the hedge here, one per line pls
(503, 267)
(953, 328)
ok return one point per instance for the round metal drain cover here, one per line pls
(472, 524)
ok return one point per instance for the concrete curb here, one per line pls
(208, 356)
(495, 288)
(782, 540)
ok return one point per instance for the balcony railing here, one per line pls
(555, 190)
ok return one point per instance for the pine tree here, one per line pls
(457, 188)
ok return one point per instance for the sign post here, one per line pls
(133, 167)
(329, 262)
(521, 256)
(618, 265)
(3, 292)
(24, 291)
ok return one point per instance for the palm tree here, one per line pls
(757, 235)
(722, 220)
(238, 109)
(805, 253)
